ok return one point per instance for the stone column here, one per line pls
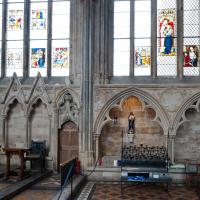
(4, 129)
(103, 41)
(87, 83)
(171, 147)
(76, 12)
(54, 138)
(50, 135)
(180, 38)
(154, 38)
(28, 135)
(96, 141)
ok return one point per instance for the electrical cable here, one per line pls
(93, 170)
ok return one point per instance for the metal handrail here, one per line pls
(66, 181)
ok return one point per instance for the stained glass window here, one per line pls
(14, 58)
(142, 41)
(60, 35)
(14, 38)
(191, 49)
(166, 32)
(38, 57)
(38, 38)
(15, 21)
(121, 38)
(38, 23)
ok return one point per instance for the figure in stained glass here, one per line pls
(39, 20)
(142, 56)
(191, 56)
(38, 57)
(166, 30)
(60, 58)
(15, 19)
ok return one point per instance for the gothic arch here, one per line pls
(64, 91)
(180, 118)
(34, 102)
(68, 107)
(117, 100)
(10, 101)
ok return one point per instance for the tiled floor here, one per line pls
(143, 192)
(44, 190)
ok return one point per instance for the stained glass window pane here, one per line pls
(15, 21)
(121, 38)
(191, 49)
(167, 41)
(38, 23)
(61, 19)
(14, 58)
(60, 57)
(142, 41)
(38, 57)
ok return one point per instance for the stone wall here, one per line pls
(16, 126)
(187, 141)
(39, 123)
(148, 131)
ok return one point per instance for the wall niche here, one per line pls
(147, 129)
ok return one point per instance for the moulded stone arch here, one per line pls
(34, 102)
(180, 118)
(149, 101)
(71, 111)
(74, 94)
(10, 101)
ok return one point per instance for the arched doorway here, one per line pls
(68, 142)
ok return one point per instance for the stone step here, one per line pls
(20, 186)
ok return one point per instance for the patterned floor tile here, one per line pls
(143, 192)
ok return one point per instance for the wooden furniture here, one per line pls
(15, 151)
(37, 153)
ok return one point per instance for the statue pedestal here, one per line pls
(131, 137)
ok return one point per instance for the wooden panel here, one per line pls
(68, 144)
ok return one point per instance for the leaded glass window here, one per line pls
(191, 38)
(132, 38)
(121, 38)
(60, 35)
(0, 31)
(167, 40)
(38, 37)
(142, 37)
(14, 39)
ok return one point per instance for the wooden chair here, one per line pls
(37, 153)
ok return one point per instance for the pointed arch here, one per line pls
(34, 101)
(10, 101)
(149, 101)
(180, 118)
